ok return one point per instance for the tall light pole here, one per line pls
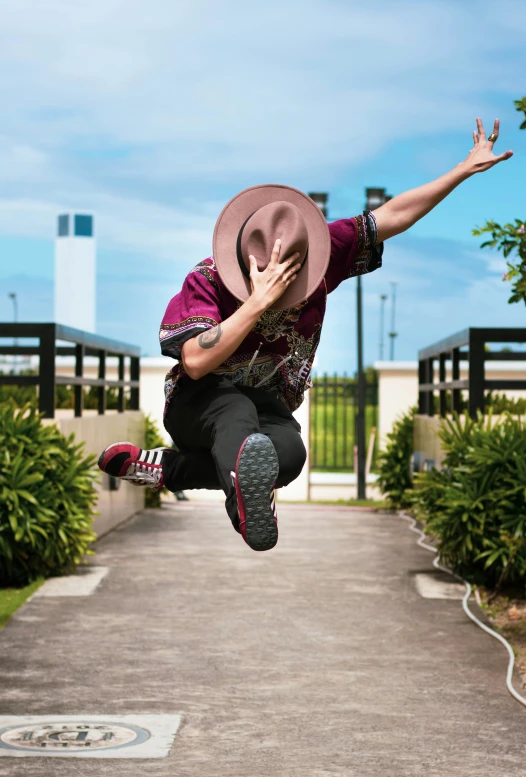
(374, 198)
(12, 296)
(383, 298)
(320, 198)
(393, 333)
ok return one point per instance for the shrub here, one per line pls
(153, 439)
(500, 403)
(394, 462)
(476, 506)
(47, 498)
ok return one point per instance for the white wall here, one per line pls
(397, 392)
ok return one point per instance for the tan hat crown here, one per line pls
(250, 223)
(277, 220)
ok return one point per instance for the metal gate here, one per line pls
(333, 409)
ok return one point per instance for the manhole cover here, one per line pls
(128, 736)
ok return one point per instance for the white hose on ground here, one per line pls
(468, 612)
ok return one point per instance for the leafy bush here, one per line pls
(476, 506)
(394, 462)
(500, 403)
(47, 498)
(153, 439)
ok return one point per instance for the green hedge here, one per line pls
(47, 496)
(476, 506)
(393, 463)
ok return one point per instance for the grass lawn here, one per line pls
(13, 598)
(332, 434)
(378, 504)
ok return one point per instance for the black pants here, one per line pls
(208, 420)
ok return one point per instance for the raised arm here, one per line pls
(404, 210)
(204, 353)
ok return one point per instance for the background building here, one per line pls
(75, 268)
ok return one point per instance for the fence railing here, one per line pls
(476, 355)
(333, 409)
(81, 344)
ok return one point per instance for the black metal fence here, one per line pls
(476, 356)
(333, 409)
(81, 344)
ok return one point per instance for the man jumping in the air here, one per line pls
(245, 328)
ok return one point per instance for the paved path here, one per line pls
(317, 659)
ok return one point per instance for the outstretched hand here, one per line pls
(481, 156)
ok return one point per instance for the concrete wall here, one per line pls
(335, 486)
(397, 392)
(426, 440)
(153, 373)
(398, 388)
(97, 432)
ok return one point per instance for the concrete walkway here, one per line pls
(317, 659)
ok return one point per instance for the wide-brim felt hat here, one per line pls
(252, 221)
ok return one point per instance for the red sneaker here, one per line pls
(255, 478)
(139, 466)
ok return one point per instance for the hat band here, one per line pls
(242, 266)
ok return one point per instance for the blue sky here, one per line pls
(153, 116)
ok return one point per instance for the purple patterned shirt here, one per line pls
(278, 353)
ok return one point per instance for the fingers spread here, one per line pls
(495, 132)
(274, 258)
(482, 133)
(290, 260)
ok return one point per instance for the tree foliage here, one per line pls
(510, 237)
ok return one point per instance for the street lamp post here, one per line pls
(12, 296)
(375, 197)
(320, 198)
(383, 298)
(393, 333)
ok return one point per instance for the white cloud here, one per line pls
(209, 92)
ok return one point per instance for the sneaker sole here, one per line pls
(256, 474)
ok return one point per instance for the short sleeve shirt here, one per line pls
(278, 353)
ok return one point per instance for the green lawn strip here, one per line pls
(376, 503)
(13, 598)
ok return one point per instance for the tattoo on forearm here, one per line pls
(210, 338)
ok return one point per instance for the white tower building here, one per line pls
(75, 262)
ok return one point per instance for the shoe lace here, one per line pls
(144, 473)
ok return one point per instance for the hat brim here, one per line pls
(230, 221)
